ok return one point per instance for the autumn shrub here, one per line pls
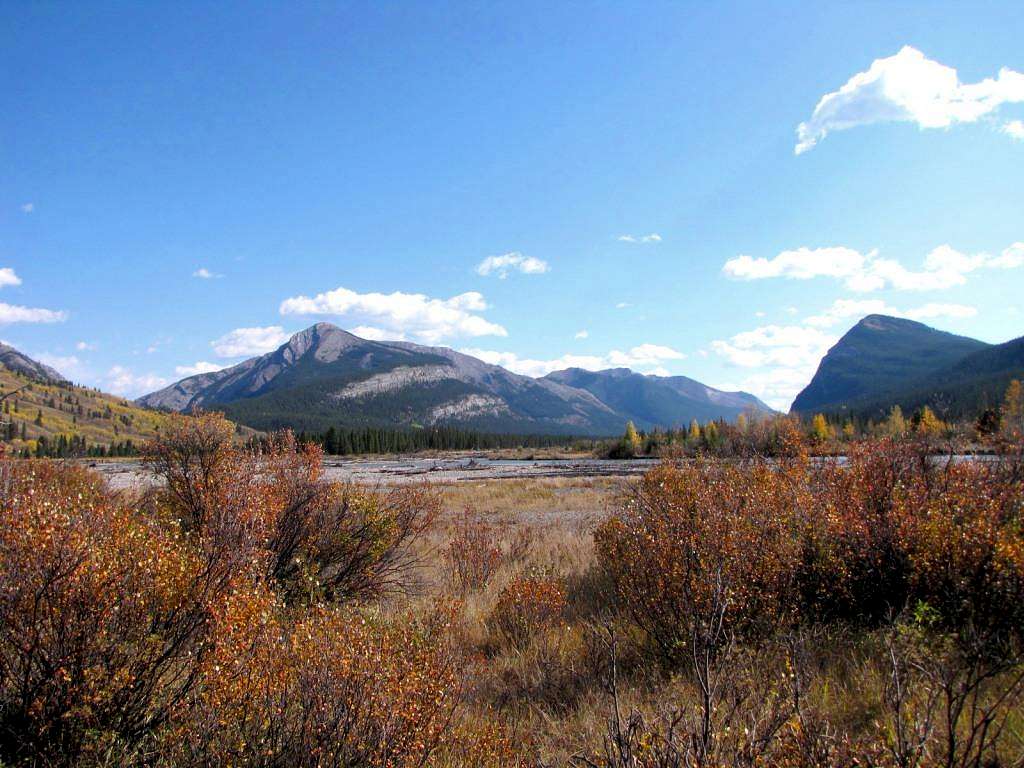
(272, 508)
(529, 604)
(329, 687)
(473, 554)
(896, 526)
(701, 552)
(104, 618)
(854, 566)
(963, 533)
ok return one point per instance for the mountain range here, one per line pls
(324, 376)
(884, 361)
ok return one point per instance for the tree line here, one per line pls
(342, 441)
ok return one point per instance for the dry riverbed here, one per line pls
(399, 469)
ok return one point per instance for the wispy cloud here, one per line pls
(654, 237)
(413, 314)
(908, 87)
(944, 267)
(511, 262)
(249, 342)
(582, 334)
(85, 346)
(28, 207)
(204, 274)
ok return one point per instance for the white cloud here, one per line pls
(197, 368)
(204, 274)
(1014, 129)
(623, 305)
(790, 353)
(908, 87)
(376, 334)
(511, 262)
(8, 277)
(28, 207)
(646, 358)
(67, 365)
(249, 342)
(412, 314)
(654, 237)
(784, 345)
(584, 334)
(1010, 258)
(777, 386)
(844, 309)
(10, 313)
(85, 346)
(122, 381)
(944, 267)
(799, 264)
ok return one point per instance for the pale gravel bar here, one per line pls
(395, 471)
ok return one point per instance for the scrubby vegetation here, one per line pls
(791, 611)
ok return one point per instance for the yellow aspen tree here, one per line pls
(1013, 408)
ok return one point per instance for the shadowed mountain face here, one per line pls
(877, 359)
(650, 401)
(959, 391)
(324, 376)
(15, 361)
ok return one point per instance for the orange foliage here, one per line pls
(527, 606)
(209, 621)
(705, 547)
(750, 547)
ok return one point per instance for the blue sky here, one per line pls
(186, 184)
